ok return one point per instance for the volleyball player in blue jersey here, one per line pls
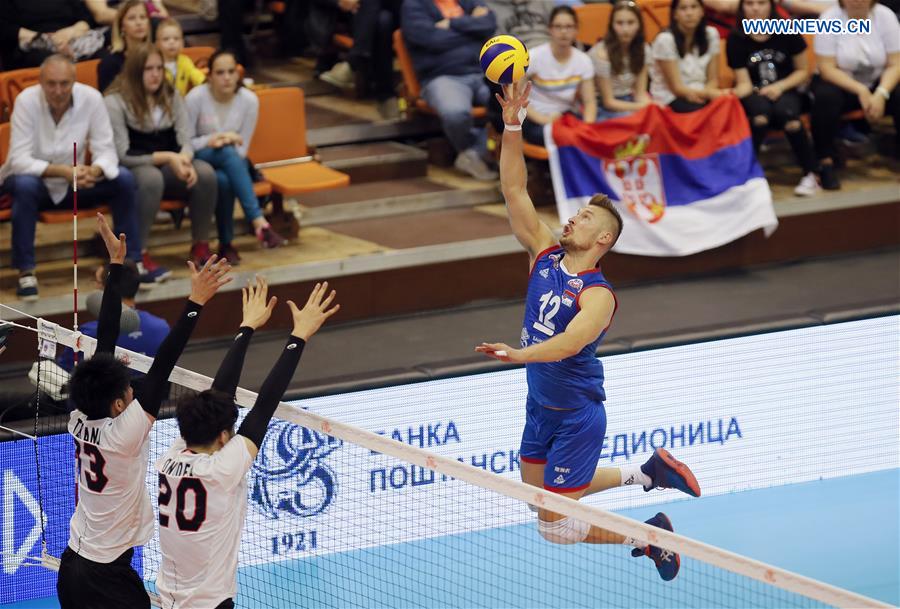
(569, 306)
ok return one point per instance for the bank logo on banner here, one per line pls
(290, 476)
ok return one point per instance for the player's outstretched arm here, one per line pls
(534, 235)
(111, 305)
(205, 282)
(257, 311)
(597, 309)
(307, 321)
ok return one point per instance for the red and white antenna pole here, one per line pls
(75, 239)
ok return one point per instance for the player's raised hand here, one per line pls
(514, 101)
(310, 318)
(115, 246)
(501, 351)
(206, 281)
(256, 310)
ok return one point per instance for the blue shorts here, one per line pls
(567, 441)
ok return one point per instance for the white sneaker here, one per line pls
(341, 76)
(470, 162)
(808, 186)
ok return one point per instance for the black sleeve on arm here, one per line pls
(229, 373)
(255, 424)
(155, 386)
(110, 311)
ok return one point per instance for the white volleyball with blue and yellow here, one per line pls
(504, 59)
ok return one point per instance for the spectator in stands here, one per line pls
(621, 62)
(130, 29)
(47, 119)
(231, 27)
(152, 135)
(527, 20)
(373, 25)
(444, 38)
(684, 74)
(768, 71)
(180, 69)
(32, 30)
(561, 76)
(104, 11)
(855, 72)
(144, 339)
(222, 117)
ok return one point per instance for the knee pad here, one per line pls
(566, 531)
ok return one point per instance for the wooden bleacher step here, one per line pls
(376, 161)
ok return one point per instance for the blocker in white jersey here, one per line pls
(202, 506)
(202, 478)
(111, 430)
(113, 512)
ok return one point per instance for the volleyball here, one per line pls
(504, 59)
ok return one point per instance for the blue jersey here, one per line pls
(146, 340)
(551, 304)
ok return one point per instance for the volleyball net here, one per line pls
(401, 497)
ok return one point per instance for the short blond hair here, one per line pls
(604, 202)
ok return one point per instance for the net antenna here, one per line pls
(75, 240)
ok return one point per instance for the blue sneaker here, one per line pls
(150, 272)
(28, 288)
(666, 471)
(667, 563)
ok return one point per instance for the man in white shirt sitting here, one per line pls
(47, 120)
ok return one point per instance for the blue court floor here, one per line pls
(843, 531)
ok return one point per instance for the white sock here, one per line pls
(636, 543)
(632, 474)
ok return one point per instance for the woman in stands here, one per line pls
(768, 70)
(620, 61)
(130, 29)
(222, 117)
(152, 135)
(684, 73)
(561, 76)
(855, 72)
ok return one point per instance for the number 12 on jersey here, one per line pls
(549, 309)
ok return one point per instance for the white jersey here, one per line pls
(202, 507)
(113, 512)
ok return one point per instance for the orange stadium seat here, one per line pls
(726, 74)
(593, 20)
(281, 136)
(199, 55)
(5, 200)
(86, 72)
(656, 16)
(12, 83)
(411, 81)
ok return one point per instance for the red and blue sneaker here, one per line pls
(665, 471)
(667, 562)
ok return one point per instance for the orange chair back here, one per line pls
(810, 53)
(726, 74)
(593, 20)
(281, 128)
(199, 55)
(4, 142)
(86, 73)
(12, 83)
(410, 80)
(656, 14)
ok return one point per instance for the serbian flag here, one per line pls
(684, 183)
